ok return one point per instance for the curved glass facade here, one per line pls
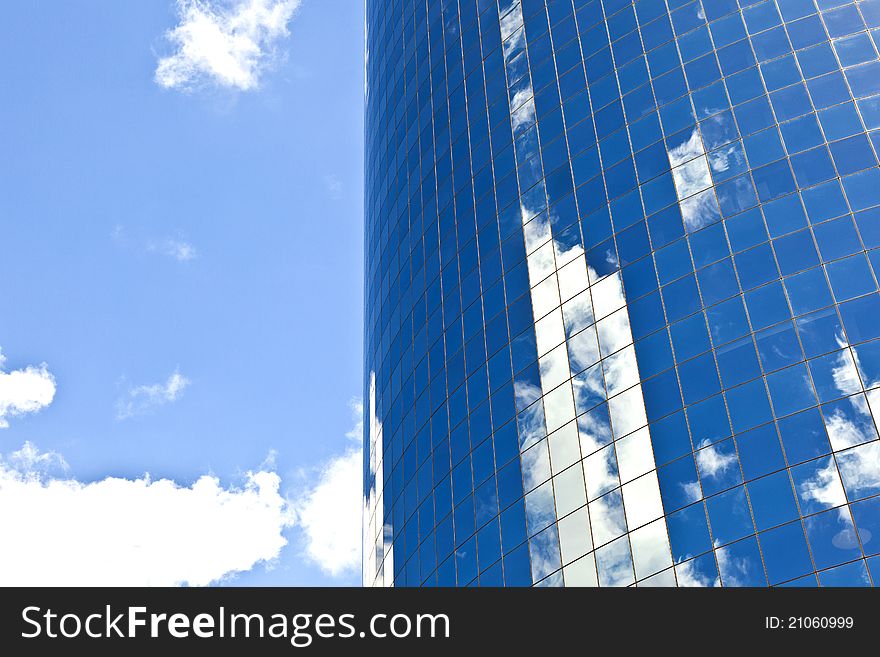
(621, 293)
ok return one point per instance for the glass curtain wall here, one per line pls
(622, 309)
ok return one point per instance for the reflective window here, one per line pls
(621, 293)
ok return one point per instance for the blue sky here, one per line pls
(184, 253)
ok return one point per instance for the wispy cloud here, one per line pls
(224, 43)
(177, 247)
(180, 250)
(34, 463)
(356, 433)
(24, 391)
(132, 532)
(330, 512)
(143, 399)
(333, 185)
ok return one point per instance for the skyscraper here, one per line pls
(621, 293)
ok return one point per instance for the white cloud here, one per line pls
(686, 150)
(713, 462)
(825, 487)
(330, 515)
(689, 576)
(32, 461)
(141, 532)
(734, 570)
(330, 512)
(522, 114)
(24, 391)
(173, 247)
(510, 23)
(122, 532)
(333, 185)
(356, 433)
(692, 177)
(860, 469)
(180, 250)
(143, 399)
(227, 43)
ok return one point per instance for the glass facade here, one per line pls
(622, 310)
